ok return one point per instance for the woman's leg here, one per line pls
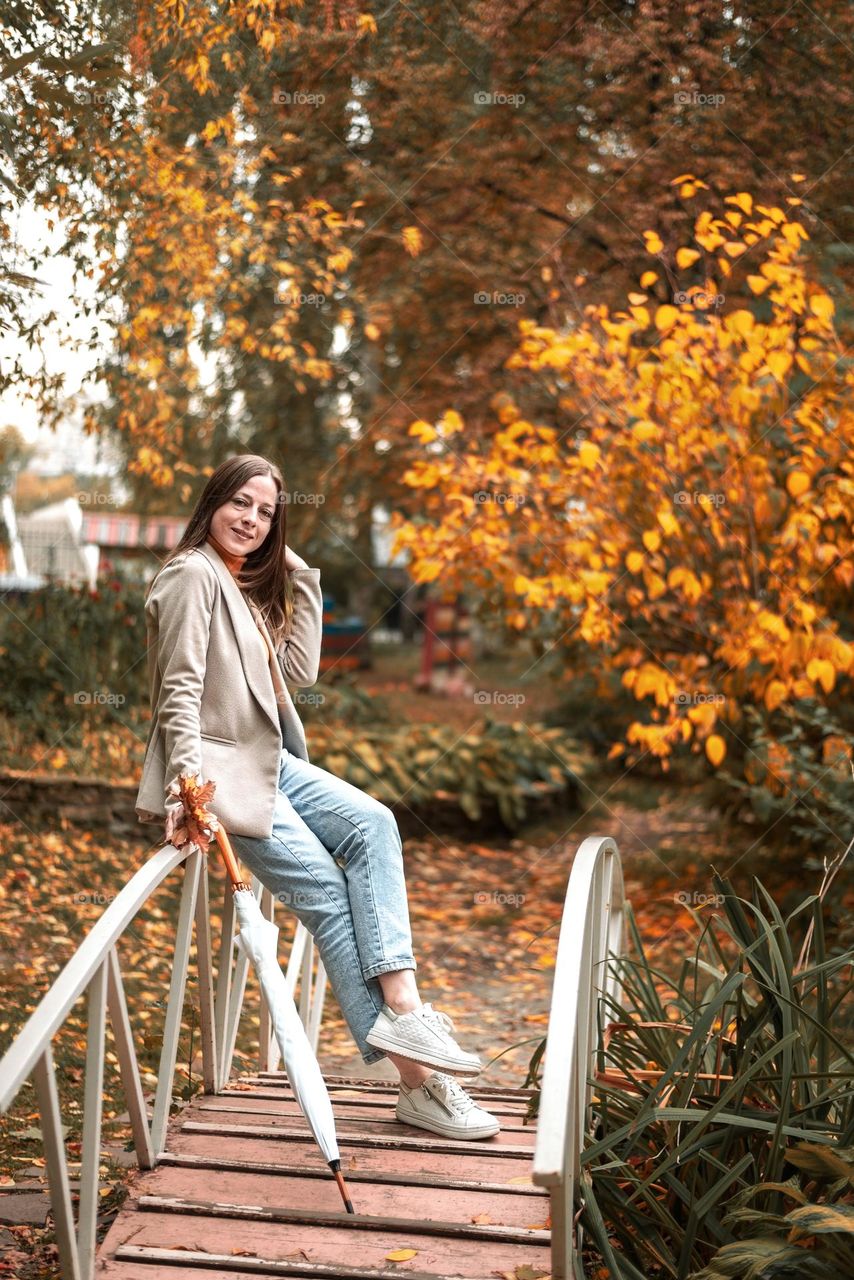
(362, 837)
(300, 873)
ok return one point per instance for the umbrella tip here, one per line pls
(335, 1166)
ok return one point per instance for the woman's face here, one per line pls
(249, 511)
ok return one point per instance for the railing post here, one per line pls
(590, 928)
(57, 1170)
(207, 1020)
(87, 1210)
(128, 1065)
(175, 1006)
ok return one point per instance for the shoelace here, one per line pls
(453, 1092)
(436, 1018)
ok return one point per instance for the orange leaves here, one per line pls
(196, 824)
(685, 520)
(413, 240)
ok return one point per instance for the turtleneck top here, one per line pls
(234, 562)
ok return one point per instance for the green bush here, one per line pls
(797, 767)
(70, 654)
(511, 766)
(722, 1123)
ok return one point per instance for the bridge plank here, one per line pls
(261, 1201)
(366, 1248)
(369, 1198)
(398, 1160)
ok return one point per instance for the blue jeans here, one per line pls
(335, 858)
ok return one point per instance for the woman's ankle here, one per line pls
(399, 990)
(411, 1073)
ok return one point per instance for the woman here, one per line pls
(232, 616)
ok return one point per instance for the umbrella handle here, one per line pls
(229, 859)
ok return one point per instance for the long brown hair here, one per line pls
(264, 577)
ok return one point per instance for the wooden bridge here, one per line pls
(235, 1186)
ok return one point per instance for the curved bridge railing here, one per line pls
(591, 929)
(94, 970)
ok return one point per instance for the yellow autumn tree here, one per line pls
(684, 516)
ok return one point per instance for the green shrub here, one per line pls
(511, 766)
(70, 655)
(724, 1104)
(796, 767)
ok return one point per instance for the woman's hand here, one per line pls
(293, 561)
(173, 814)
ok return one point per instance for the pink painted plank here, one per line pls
(378, 1104)
(227, 1186)
(441, 1256)
(347, 1118)
(490, 1168)
(371, 1083)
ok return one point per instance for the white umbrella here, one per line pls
(258, 938)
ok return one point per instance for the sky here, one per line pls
(67, 447)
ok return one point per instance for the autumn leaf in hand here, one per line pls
(196, 824)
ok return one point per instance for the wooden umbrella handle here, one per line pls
(230, 859)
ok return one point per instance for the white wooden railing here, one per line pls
(591, 929)
(94, 969)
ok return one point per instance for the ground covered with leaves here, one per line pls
(485, 920)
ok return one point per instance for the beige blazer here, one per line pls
(215, 708)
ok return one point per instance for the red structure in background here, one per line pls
(446, 651)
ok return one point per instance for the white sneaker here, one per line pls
(422, 1035)
(442, 1105)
